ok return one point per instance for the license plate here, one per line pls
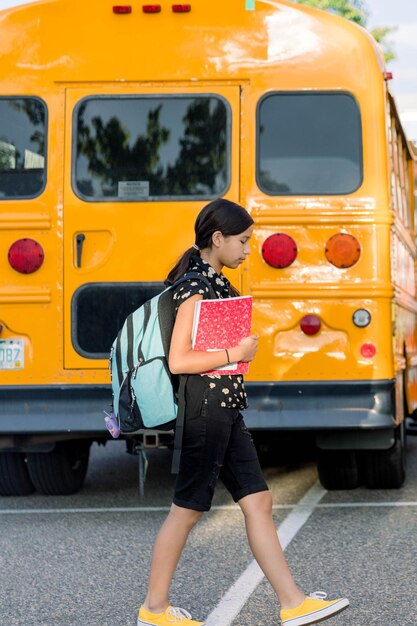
(12, 354)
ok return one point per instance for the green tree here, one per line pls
(355, 10)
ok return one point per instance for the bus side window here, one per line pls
(22, 147)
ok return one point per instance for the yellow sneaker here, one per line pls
(171, 616)
(314, 609)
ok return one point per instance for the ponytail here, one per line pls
(181, 267)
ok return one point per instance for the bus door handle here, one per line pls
(79, 240)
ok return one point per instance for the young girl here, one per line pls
(216, 442)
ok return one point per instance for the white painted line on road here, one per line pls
(352, 505)
(235, 598)
(219, 507)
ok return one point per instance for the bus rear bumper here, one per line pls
(346, 414)
(38, 415)
(343, 414)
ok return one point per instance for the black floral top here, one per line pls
(228, 389)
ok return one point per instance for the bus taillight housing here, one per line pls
(26, 256)
(279, 250)
(343, 250)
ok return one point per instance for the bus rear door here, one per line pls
(140, 164)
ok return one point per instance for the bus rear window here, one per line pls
(22, 147)
(309, 144)
(99, 311)
(132, 148)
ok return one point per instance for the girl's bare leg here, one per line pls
(266, 548)
(166, 553)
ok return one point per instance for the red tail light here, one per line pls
(368, 350)
(343, 250)
(26, 256)
(310, 324)
(279, 250)
(151, 8)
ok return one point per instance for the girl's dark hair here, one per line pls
(223, 215)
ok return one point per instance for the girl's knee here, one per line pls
(257, 503)
(188, 517)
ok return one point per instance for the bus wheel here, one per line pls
(14, 475)
(386, 469)
(338, 469)
(62, 471)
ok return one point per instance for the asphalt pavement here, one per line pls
(82, 560)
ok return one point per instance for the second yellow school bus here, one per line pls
(117, 124)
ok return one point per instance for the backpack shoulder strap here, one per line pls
(197, 276)
(179, 424)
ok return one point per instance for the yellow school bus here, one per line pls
(117, 124)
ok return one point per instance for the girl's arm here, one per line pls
(184, 360)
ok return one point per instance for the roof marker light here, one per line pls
(123, 9)
(181, 8)
(388, 75)
(151, 8)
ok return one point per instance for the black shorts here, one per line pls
(216, 444)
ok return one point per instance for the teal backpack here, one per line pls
(145, 393)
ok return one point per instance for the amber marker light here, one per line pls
(26, 256)
(310, 324)
(279, 250)
(343, 250)
(368, 350)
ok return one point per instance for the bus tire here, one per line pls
(338, 469)
(14, 475)
(62, 471)
(386, 469)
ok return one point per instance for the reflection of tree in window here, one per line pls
(268, 182)
(22, 147)
(10, 155)
(7, 154)
(110, 157)
(36, 115)
(201, 165)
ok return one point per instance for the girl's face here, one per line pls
(232, 250)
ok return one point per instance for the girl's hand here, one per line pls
(248, 347)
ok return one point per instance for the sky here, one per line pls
(401, 14)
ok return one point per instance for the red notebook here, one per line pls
(220, 324)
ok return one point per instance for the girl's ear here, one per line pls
(217, 238)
